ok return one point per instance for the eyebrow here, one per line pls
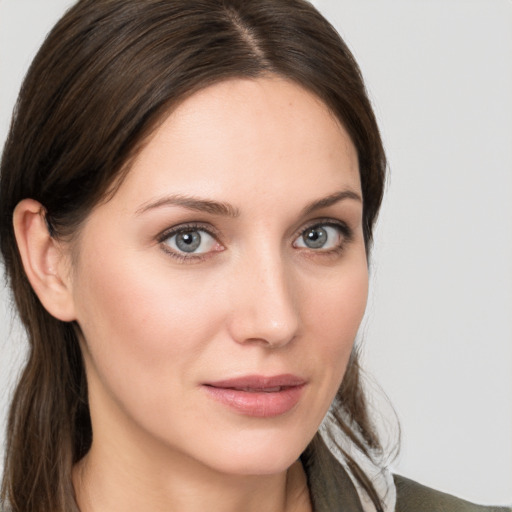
(192, 203)
(330, 200)
(225, 209)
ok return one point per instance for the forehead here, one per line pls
(247, 137)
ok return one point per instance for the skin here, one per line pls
(158, 323)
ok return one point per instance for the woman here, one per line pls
(187, 212)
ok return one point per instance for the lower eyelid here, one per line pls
(183, 257)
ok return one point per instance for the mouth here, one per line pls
(276, 389)
(258, 396)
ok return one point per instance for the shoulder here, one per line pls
(333, 490)
(414, 497)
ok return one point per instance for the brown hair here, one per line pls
(106, 75)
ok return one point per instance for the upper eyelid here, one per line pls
(327, 221)
(188, 226)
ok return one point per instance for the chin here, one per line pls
(261, 453)
(254, 464)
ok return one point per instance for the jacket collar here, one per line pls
(330, 487)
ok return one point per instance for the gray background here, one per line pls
(438, 331)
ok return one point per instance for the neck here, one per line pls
(111, 484)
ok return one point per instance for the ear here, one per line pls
(46, 264)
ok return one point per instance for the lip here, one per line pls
(256, 395)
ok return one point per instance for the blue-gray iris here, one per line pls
(315, 238)
(188, 241)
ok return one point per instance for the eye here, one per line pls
(322, 236)
(190, 240)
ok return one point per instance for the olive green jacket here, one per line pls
(332, 489)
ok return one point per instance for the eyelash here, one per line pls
(344, 230)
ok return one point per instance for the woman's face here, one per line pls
(220, 290)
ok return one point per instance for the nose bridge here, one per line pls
(266, 309)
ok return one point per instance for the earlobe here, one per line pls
(43, 260)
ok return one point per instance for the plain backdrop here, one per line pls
(437, 336)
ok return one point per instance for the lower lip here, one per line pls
(258, 404)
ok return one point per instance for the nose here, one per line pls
(265, 307)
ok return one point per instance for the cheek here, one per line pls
(337, 304)
(333, 318)
(139, 320)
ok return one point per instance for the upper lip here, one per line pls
(259, 382)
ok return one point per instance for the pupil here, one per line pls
(188, 241)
